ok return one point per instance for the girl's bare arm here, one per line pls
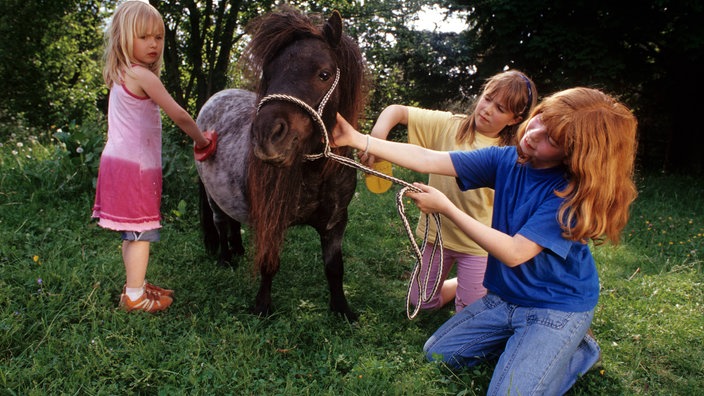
(510, 250)
(407, 155)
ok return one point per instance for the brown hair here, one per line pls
(519, 95)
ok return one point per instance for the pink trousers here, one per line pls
(470, 277)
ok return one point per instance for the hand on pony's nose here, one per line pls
(342, 133)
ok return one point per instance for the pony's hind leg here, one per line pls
(235, 239)
(229, 237)
(221, 233)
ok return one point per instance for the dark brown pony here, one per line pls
(261, 174)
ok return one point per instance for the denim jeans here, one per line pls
(540, 351)
(147, 236)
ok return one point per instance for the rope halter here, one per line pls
(316, 115)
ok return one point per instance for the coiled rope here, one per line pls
(423, 295)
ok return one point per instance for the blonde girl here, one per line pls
(506, 99)
(128, 191)
(569, 180)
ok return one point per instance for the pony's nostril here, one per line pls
(278, 130)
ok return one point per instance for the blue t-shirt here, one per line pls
(563, 275)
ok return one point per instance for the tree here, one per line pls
(407, 66)
(203, 39)
(50, 59)
(648, 53)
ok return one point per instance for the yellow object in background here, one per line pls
(376, 184)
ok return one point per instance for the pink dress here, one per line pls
(128, 192)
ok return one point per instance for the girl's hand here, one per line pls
(430, 200)
(343, 133)
(367, 159)
(205, 152)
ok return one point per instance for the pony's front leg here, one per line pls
(331, 243)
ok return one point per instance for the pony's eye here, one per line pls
(324, 75)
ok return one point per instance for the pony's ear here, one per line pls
(333, 29)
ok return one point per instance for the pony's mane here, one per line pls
(272, 32)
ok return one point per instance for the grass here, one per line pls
(60, 277)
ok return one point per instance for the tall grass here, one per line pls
(60, 279)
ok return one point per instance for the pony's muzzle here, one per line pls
(278, 136)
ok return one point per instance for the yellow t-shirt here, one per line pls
(436, 130)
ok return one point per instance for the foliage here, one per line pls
(50, 60)
(60, 278)
(648, 52)
(55, 163)
(202, 41)
(419, 68)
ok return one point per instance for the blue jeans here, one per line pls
(540, 351)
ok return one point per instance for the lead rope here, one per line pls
(423, 296)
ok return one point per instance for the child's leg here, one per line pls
(135, 255)
(476, 334)
(137, 294)
(537, 358)
(448, 291)
(430, 271)
(586, 356)
(470, 279)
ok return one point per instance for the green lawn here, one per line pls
(60, 279)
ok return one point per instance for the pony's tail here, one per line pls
(207, 224)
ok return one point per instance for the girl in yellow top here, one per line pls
(506, 99)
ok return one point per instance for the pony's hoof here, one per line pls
(346, 313)
(340, 307)
(227, 264)
(350, 316)
(262, 312)
(228, 261)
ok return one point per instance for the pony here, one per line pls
(264, 173)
